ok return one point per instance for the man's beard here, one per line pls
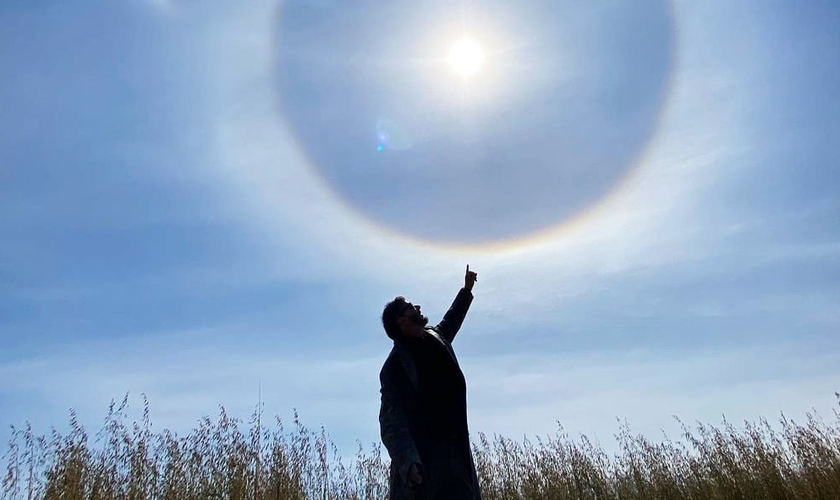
(421, 320)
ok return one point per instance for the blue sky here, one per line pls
(193, 206)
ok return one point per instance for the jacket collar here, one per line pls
(403, 353)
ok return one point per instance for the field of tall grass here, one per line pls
(227, 458)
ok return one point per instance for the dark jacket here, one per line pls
(399, 422)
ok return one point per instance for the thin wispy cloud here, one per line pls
(184, 372)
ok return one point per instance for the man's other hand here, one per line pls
(470, 279)
(414, 475)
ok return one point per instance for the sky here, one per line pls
(209, 203)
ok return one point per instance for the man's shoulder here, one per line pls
(392, 360)
(434, 331)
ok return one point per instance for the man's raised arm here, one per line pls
(454, 317)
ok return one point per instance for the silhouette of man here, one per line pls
(423, 412)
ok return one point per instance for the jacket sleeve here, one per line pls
(454, 317)
(393, 425)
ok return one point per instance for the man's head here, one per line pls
(401, 319)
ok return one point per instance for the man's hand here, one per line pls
(470, 279)
(414, 475)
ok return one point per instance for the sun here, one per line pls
(465, 57)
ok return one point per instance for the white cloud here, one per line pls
(512, 395)
(516, 395)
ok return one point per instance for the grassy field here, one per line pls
(225, 458)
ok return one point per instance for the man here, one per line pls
(423, 413)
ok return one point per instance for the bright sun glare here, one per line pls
(465, 57)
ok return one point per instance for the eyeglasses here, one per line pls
(408, 305)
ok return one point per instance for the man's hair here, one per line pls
(390, 315)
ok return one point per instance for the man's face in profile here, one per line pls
(412, 315)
